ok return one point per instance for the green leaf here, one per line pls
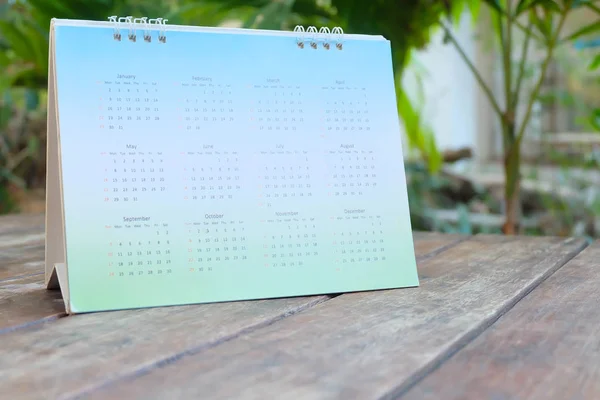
(271, 16)
(410, 118)
(313, 8)
(419, 136)
(456, 13)
(5, 114)
(207, 14)
(7, 204)
(42, 11)
(6, 174)
(38, 43)
(52, 9)
(17, 40)
(5, 59)
(33, 145)
(595, 119)
(586, 30)
(495, 5)
(584, 3)
(525, 5)
(592, 7)
(522, 5)
(93, 9)
(229, 4)
(595, 63)
(549, 5)
(543, 25)
(474, 6)
(26, 75)
(433, 155)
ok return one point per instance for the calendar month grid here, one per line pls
(205, 181)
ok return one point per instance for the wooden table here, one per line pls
(495, 318)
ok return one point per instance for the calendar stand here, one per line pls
(206, 181)
(56, 276)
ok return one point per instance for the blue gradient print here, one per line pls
(224, 131)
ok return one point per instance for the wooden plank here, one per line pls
(23, 298)
(22, 261)
(84, 352)
(15, 241)
(21, 245)
(365, 345)
(18, 224)
(25, 301)
(27, 266)
(429, 244)
(77, 353)
(40, 305)
(547, 347)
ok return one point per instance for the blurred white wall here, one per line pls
(450, 102)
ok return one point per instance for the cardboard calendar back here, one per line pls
(55, 253)
(179, 177)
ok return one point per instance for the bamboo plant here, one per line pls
(542, 22)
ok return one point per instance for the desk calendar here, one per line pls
(190, 165)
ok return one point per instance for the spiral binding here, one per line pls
(132, 25)
(323, 36)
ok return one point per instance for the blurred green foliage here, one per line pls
(409, 25)
(24, 24)
(24, 35)
(595, 117)
(546, 20)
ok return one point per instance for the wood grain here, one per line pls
(23, 298)
(430, 244)
(24, 258)
(22, 261)
(25, 301)
(28, 265)
(21, 245)
(364, 345)
(20, 224)
(547, 347)
(94, 350)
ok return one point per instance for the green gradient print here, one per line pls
(318, 156)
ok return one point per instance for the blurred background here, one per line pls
(499, 101)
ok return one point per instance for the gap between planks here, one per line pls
(25, 302)
(337, 349)
(434, 243)
(452, 240)
(438, 244)
(198, 349)
(427, 244)
(31, 324)
(546, 347)
(404, 388)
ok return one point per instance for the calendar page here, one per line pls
(228, 165)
